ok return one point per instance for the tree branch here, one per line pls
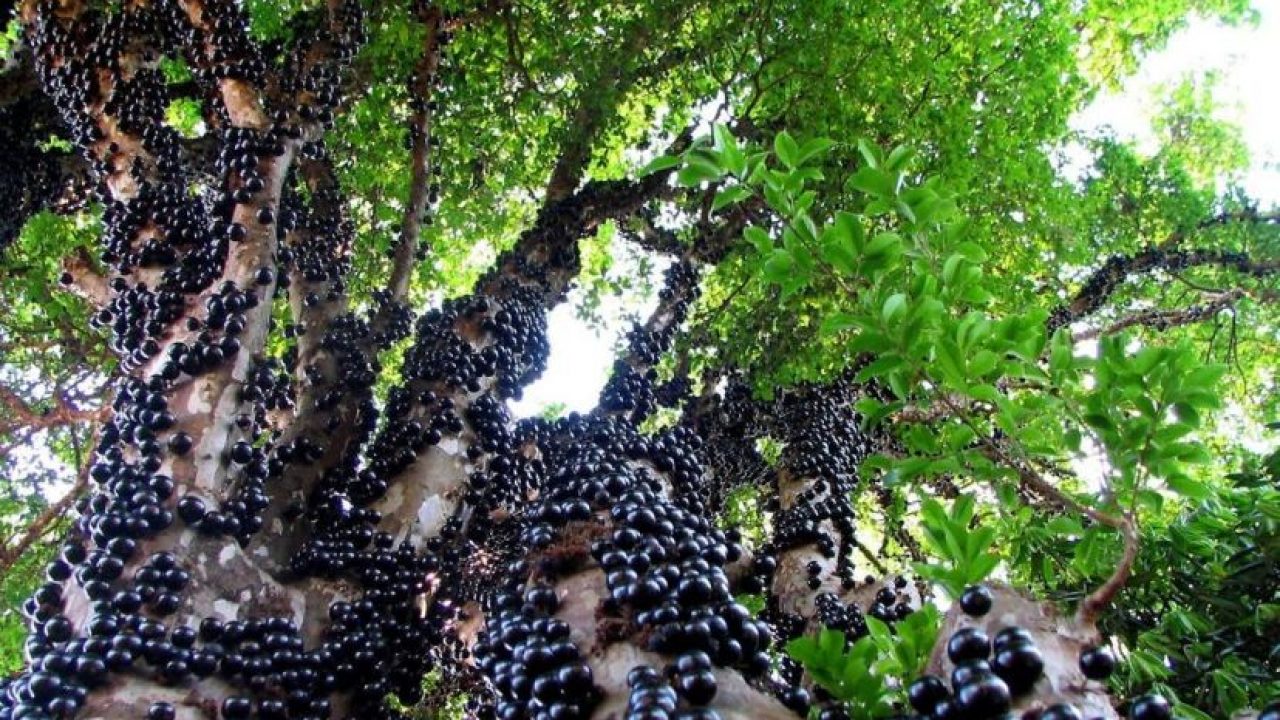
(21, 415)
(43, 523)
(1164, 319)
(424, 71)
(1126, 524)
(1099, 286)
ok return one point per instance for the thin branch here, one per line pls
(1165, 319)
(21, 415)
(1099, 599)
(1099, 286)
(43, 523)
(424, 72)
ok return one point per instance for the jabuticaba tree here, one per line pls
(309, 493)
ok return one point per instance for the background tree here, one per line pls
(275, 271)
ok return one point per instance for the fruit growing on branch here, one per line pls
(307, 259)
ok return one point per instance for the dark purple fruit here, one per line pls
(967, 672)
(985, 697)
(1097, 663)
(1019, 665)
(968, 644)
(976, 600)
(1150, 707)
(1010, 636)
(926, 692)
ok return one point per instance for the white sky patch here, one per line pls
(581, 357)
(1246, 58)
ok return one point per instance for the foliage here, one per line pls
(436, 704)
(870, 673)
(910, 218)
(1015, 400)
(964, 550)
(744, 511)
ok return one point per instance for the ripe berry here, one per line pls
(968, 644)
(926, 692)
(1097, 663)
(976, 600)
(985, 697)
(1019, 665)
(1150, 707)
(1010, 636)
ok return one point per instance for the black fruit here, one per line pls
(976, 600)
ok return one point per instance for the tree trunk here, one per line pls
(245, 555)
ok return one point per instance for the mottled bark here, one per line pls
(1060, 639)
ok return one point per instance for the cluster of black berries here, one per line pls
(824, 446)
(317, 85)
(531, 660)
(169, 250)
(663, 567)
(990, 673)
(444, 358)
(240, 515)
(630, 390)
(321, 251)
(33, 178)
(982, 686)
(730, 423)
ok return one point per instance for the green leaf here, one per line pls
(837, 323)
(759, 239)
(983, 362)
(785, 147)
(893, 306)
(731, 156)
(812, 149)
(658, 164)
(778, 267)
(883, 244)
(869, 152)
(872, 182)
(972, 252)
(981, 568)
(697, 171)
(1187, 487)
(950, 267)
(899, 158)
(730, 196)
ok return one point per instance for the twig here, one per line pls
(1099, 599)
(10, 554)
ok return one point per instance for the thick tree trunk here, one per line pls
(635, 579)
(555, 561)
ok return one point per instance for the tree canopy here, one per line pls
(914, 373)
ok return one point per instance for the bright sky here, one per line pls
(1247, 58)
